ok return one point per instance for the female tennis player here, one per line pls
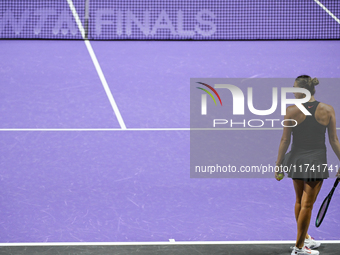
(307, 159)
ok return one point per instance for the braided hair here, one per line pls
(306, 82)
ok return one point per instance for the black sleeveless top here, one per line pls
(309, 134)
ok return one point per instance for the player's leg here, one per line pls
(309, 241)
(298, 186)
(316, 196)
(310, 192)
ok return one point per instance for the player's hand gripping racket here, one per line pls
(325, 204)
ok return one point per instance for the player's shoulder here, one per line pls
(325, 108)
(292, 109)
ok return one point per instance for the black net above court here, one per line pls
(170, 19)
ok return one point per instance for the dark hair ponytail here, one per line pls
(306, 82)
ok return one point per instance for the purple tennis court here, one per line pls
(95, 136)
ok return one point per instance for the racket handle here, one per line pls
(336, 182)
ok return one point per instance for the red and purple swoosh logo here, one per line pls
(213, 90)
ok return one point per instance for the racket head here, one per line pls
(324, 206)
(323, 210)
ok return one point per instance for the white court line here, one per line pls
(331, 14)
(128, 129)
(97, 66)
(92, 129)
(159, 243)
(131, 129)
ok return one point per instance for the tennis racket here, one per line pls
(323, 209)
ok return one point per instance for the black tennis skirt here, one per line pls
(309, 165)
